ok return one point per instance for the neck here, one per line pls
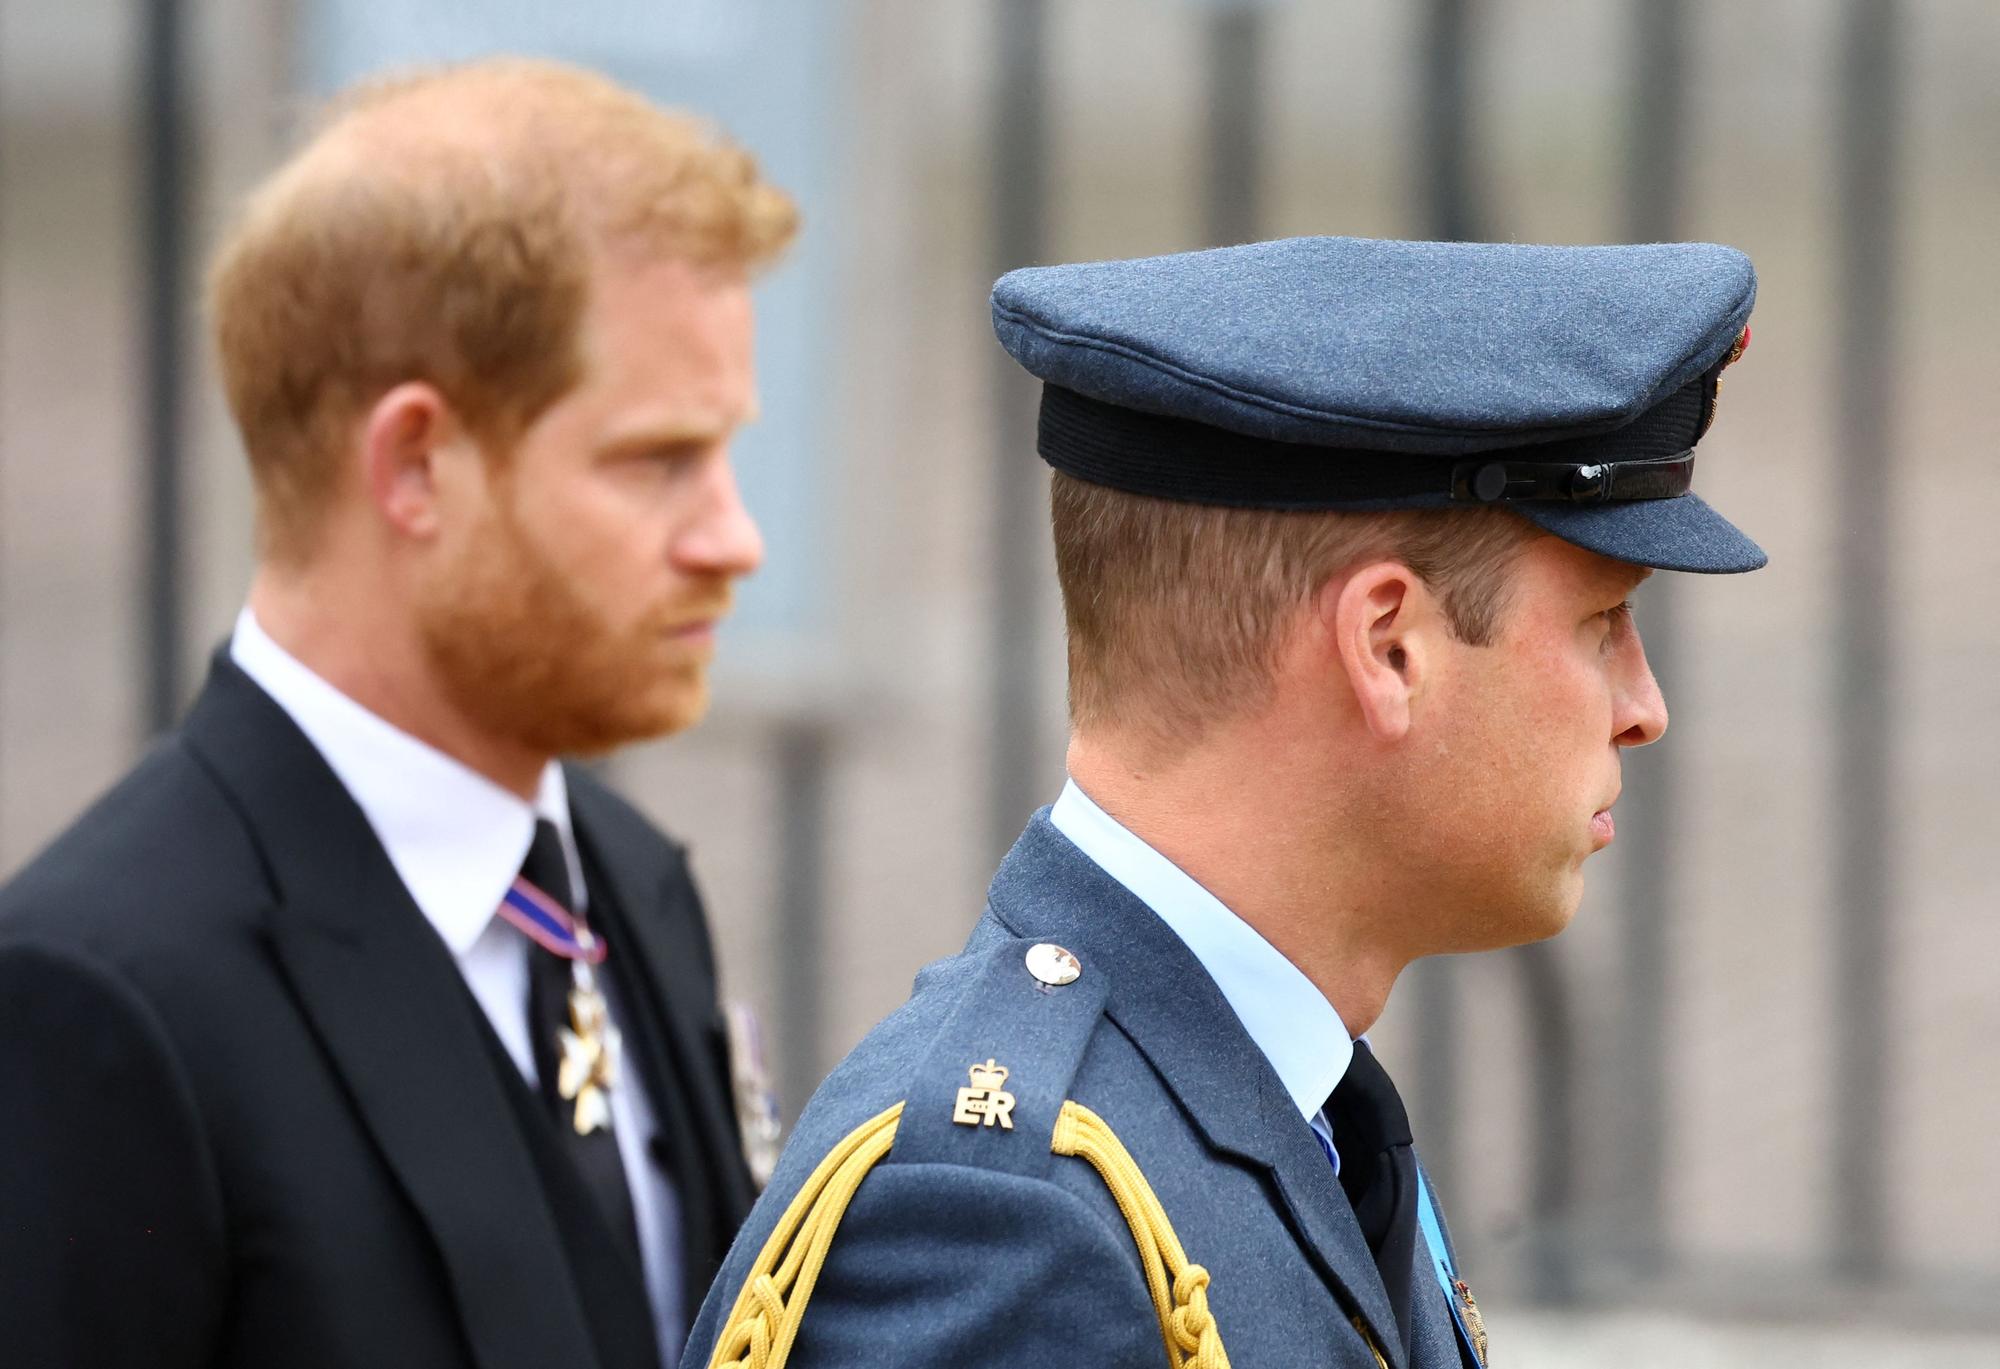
(1249, 826)
(378, 661)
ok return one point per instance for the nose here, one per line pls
(1639, 715)
(722, 538)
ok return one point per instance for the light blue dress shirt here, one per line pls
(1284, 1013)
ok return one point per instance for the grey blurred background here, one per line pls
(1745, 1111)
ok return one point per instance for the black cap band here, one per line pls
(1176, 458)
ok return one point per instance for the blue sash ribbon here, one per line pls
(1433, 1229)
(1441, 1263)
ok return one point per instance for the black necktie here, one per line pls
(1378, 1170)
(550, 978)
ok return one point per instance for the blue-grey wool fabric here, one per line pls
(1358, 351)
(976, 1246)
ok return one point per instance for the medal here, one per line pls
(756, 1098)
(590, 1045)
(588, 1070)
(1469, 1310)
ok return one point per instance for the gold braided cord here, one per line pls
(764, 1321)
(1362, 1327)
(1179, 1289)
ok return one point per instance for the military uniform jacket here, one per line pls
(975, 1245)
(254, 1116)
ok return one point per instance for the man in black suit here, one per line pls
(351, 1028)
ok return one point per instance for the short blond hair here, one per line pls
(443, 226)
(1175, 612)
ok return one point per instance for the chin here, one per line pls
(672, 706)
(682, 714)
(1561, 911)
(1551, 924)
(599, 724)
(1534, 916)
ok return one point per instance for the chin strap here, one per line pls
(764, 1321)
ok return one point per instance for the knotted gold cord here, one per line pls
(763, 1324)
(1179, 1289)
(1373, 1349)
(764, 1321)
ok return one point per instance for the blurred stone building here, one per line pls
(890, 702)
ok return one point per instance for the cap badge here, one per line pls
(1053, 965)
(1736, 351)
(1738, 348)
(985, 1103)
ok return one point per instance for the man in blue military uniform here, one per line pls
(1347, 533)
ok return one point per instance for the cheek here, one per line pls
(604, 552)
(1518, 734)
(626, 523)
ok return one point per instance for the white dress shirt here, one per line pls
(1287, 1017)
(457, 840)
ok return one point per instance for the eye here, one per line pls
(1617, 621)
(1614, 615)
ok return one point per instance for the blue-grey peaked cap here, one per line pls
(1569, 383)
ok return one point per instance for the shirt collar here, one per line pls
(456, 838)
(1287, 1017)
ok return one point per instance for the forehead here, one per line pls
(1558, 569)
(671, 334)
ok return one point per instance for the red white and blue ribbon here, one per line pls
(551, 926)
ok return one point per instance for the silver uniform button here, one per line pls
(1053, 965)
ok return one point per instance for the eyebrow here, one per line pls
(660, 430)
(1632, 576)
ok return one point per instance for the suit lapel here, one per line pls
(658, 913)
(1434, 1342)
(1166, 1003)
(400, 1028)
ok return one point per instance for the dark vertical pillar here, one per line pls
(1865, 145)
(1234, 211)
(1446, 210)
(1019, 213)
(164, 156)
(803, 776)
(1445, 148)
(3, 494)
(1551, 1044)
(1648, 829)
(1453, 209)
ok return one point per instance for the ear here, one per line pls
(1379, 620)
(402, 440)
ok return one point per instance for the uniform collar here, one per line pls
(456, 838)
(1287, 1017)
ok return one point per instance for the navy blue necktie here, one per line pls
(1378, 1172)
(549, 981)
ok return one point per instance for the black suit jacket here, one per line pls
(251, 1114)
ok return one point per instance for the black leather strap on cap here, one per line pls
(1603, 482)
(1179, 459)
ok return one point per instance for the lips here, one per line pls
(698, 624)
